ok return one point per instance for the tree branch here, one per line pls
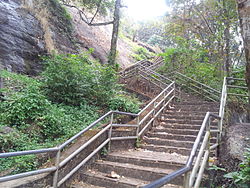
(97, 10)
(84, 17)
(203, 17)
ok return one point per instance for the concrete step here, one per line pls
(176, 131)
(81, 184)
(181, 125)
(181, 116)
(195, 108)
(187, 112)
(167, 149)
(166, 142)
(187, 121)
(190, 99)
(197, 103)
(178, 137)
(104, 180)
(169, 136)
(132, 171)
(148, 159)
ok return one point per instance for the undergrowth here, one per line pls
(141, 53)
(237, 179)
(45, 111)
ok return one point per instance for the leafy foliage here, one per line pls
(73, 79)
(242, 177)
(105, 5)
(141, 54)
(191, 60)
(43, 112)
(124, 103)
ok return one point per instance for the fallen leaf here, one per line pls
(113, 175)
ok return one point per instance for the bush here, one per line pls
(192, 63)
(124, 103)
(24, 107)
(62, 121)
(73, 79)
(46, 112)
(142, 53)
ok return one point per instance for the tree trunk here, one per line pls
(227, 39)
(112, 55)
(244, 15)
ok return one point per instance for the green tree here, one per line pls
(214, 27)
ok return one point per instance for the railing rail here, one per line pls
(232, 86)
(195, 86)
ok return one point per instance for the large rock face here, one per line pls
(30, 29)
(21, 37)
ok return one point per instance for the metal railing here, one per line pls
(195, 86)
(198, 160)
(132, 70)
(147, 68)
(237, 87)
(146, 117)
(203, 138)
(59, 164)
(144, 70)
(151, 112)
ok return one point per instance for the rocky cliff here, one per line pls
(30, 29)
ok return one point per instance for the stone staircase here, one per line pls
(164, 149)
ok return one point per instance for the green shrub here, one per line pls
(62, 121)
(24, 107)
(142, 53)
(73, 79)
(12, 140)
(45, 112)
(192, 63)
(16, 82)
(124, 103)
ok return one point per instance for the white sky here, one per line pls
(146, 9)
